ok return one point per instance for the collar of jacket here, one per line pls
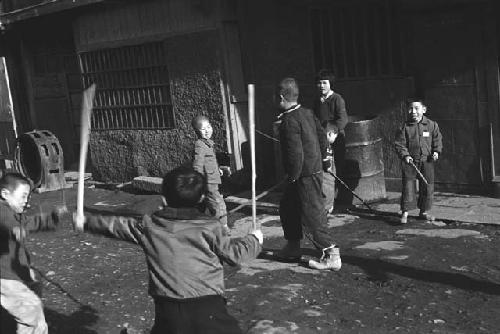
(328, 95)
(283, 113)
(424, 120)
(182, 213)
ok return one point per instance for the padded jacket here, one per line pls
(418, 140)
(333, 109)
(303, 142)
(14, 257)
(205, 160)
(184, 249)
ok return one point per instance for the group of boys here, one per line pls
(186, 243)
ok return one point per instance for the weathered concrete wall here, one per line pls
(120, 155)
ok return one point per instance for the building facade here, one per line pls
(158, 63)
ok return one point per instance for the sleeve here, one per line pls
(199, 157)
(294, 152)
(340, 112)
(437, 139)
(125, 228)
(400, 143)
(236, 250)
(323, 142)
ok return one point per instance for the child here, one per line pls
(184, 249)
(16, 276)
(205, 162)
(329, 168)
(418, 144)
(330, 107)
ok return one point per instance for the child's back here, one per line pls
(184, 249)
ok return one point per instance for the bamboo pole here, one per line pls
(251, 122)
(87, 103)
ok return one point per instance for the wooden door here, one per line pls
(446, 51)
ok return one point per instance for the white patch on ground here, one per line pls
(440, 233)
(396, 257)
(339, 220)
(287, 292)
(259, 265)
(382, 245)
(313, 313)
(437, 223)
(266, 327)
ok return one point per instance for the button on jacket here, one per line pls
(418, 140)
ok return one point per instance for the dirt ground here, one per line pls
(418, 278)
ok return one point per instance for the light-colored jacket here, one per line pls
(184, 249)
(205, 161)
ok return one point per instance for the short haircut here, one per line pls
(413, 99)
(325, 74)
(11, 181)
(183, 187)
(196, 122)
(331, 127)
(289, 89)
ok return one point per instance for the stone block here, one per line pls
(148, 183)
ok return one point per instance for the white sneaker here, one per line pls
(330, 260)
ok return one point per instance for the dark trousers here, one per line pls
(302, 209)
(204, 315)
(425, 192)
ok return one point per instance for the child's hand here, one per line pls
(78, 222)
(258, 234)
(19, 233)
(435, 156)
(408, 159)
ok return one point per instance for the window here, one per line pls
(132, 87)
(357, 40)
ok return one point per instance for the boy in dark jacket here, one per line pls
(184, 251)
(205, 162)
(303, 148)
(16, 275)
(418, 144)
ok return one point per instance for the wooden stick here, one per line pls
(87, 103)
(262, 194)
(251, 122)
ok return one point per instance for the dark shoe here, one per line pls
(404, 218)
(427, 217)
(291, 252)
(329, 261)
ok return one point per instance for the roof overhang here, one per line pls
(43, 8)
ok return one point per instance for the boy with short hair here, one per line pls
(205, 162)
(418, 144)
(17, 278)
(184, 250)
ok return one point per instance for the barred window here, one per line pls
(132, 87)
(357, 40)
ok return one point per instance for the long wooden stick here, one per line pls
(87, 104)
(251, 121)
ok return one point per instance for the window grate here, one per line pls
(357, 40)
(132, 87)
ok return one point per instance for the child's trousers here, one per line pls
(24, 305)
(425, 192)
(215, 203)
(204, 315)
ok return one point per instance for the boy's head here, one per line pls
(324, 81)
(331, 131)
(15, 190)
(288, 91)
(201, 124)
(416, 109)
(183, 187)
